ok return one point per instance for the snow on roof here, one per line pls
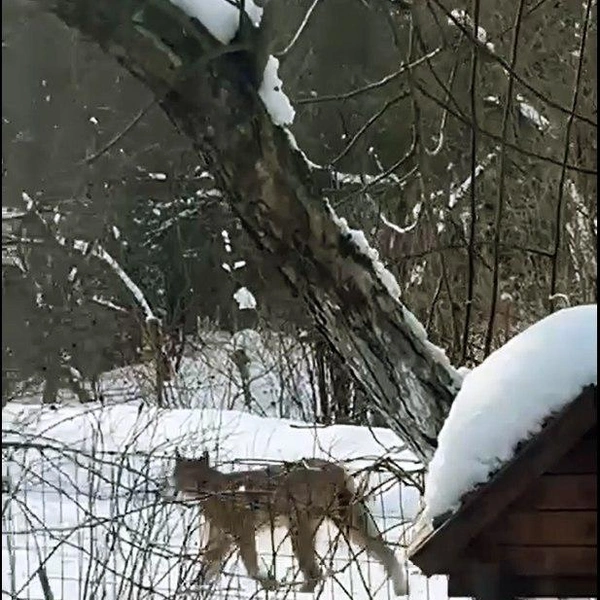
(220, 17)
(506, 399)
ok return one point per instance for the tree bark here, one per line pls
(278, 199)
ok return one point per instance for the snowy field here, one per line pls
(87, 504)
(278, 367)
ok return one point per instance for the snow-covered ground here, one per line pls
(279, 370)
(87, 500)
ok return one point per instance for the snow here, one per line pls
(581, 236)
(457, 192)
(108, 304)
(506, 399)
(99, 252)
(390, 283)
(312, 166)
(539, 121)
(86, 484)
(359, 240)
(403, 230)
(245, 299)
(271, 93)
(463, 371)
(220, 17)
(463, 18)
(90, 485)
(96, 250)
(10, 212)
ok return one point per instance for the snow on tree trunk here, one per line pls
(275, 194)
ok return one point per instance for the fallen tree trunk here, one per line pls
(276, 195)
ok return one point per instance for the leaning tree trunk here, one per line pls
(276, 195)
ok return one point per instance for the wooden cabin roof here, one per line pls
(537, 513)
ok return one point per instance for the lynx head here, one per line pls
(191, 475)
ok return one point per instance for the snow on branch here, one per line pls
(460, 17)
(220, 17)
(271, 93)
(245, 299)
(389, 282)
(458, 191)
(97, 251)
(361, 243)
(416, 212)
(277, 191)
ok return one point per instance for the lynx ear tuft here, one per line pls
(204, 457)
(177, 453)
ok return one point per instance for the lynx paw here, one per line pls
(311, 581)
(268, 582)
(308, 587)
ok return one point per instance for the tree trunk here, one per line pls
(277, 197)
(321, 360)
(341, 389)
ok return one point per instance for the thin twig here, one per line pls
(88, 160)
(472, 36)
(371, 86)
(299, 31)
(473, 196)
(563, 171)
(391, 169)
(501, 184)
(181, 76)
(370, 121)
(458, 114)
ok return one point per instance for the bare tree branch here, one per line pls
(567, 147)
(501, 183)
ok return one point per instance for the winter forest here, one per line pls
(363, 231)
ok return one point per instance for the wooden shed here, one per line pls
(531, 530)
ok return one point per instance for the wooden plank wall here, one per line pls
(550, 533)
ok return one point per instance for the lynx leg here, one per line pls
(215, 554)
(376, 547)
(302, 535)
(246, 541)
(363, 531)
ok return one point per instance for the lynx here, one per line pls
(298, 496)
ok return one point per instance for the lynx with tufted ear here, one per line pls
(299, 496)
